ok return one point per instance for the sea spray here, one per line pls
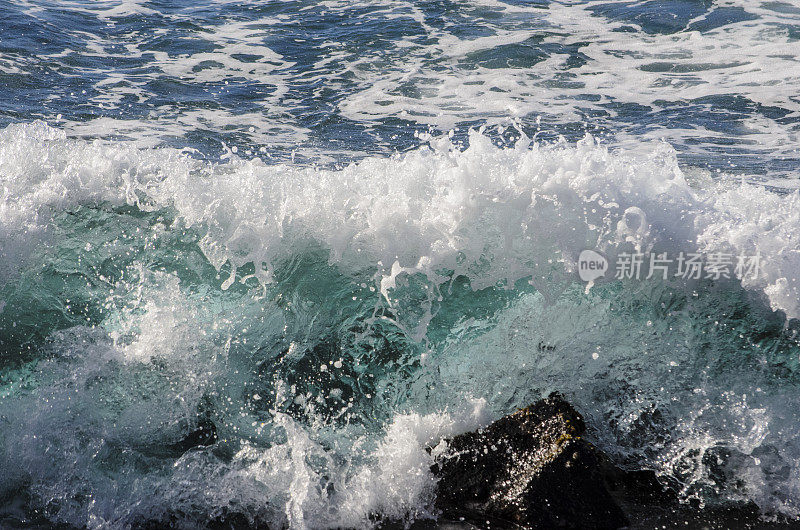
(332, 324)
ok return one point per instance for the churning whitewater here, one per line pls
(258, 261)
(334, 323)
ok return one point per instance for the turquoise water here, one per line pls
(337, 232)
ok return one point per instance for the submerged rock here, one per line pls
(531, 468)
(203, 435)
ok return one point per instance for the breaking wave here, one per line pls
(333, 323)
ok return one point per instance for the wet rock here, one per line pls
(651, 503)
(530, 469)
(204, 434)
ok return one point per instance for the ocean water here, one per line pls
(339, 231)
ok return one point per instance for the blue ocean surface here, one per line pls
(256, 258)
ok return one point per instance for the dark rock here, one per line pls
(203, 435)
(530, 469)
(652, 503)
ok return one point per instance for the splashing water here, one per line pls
(331, 324)
(247, 275)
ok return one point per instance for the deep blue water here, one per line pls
(335, 81)
(340, 231)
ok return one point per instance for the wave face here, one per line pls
(333, 233)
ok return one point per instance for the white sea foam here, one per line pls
(581, 62)
(232, 51)
(519, 209)
(747, 59)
